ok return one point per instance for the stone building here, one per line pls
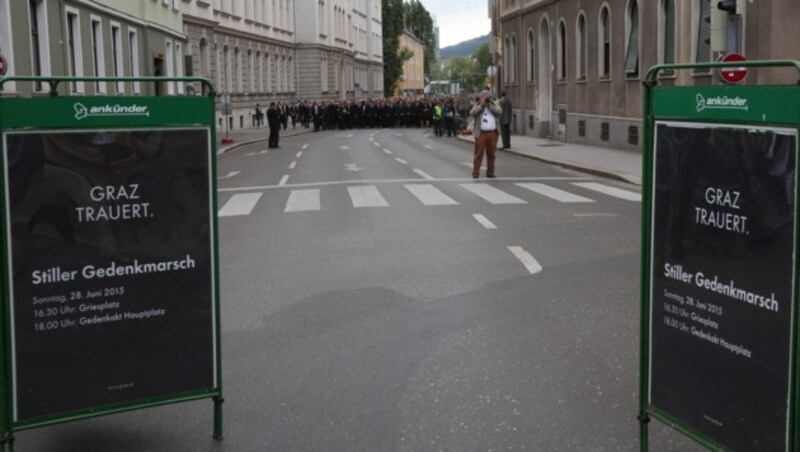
(247, 49)
(573, 69)
(412, 81)
(87, 38)
(339, 48)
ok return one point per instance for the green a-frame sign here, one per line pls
(719, 269)
(110, 281)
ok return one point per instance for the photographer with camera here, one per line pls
(486, 113)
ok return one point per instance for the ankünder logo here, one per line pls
(721, 103)
(81, 111)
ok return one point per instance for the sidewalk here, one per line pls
(253, 135)
(622, 165)
(618, 164)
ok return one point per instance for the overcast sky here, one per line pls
(459, 20)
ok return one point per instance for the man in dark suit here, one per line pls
(274, 122)
(505, 120)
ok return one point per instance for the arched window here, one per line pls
(513, 58)
(531, 56)
(562, 50)
(580, 47)
(604, 41)
(632, 32)
(667, 32)
(507, 60)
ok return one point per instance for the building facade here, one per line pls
(412, 81)
(339, 48)
(246, 48)
(92, 38)
(573, 69)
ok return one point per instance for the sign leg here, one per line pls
(218, 401)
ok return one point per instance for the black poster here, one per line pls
(722, 272)
(111, 267)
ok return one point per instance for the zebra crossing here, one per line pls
(427, 194)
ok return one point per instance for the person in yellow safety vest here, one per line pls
(438, 112)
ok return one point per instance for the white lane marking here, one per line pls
(610, 191)
(381, 181)
(299, 154)
(366, 196)
(484, 221)
(349, 135)
(423, 174)
(388, 152)
(240, 204)
(428, 146)
(429, 195)
(553, 193)
(428, 135)
(371, 139)
(292, 165)
(305, 146)
(580, 215)
(262, 152)
(492, 194)
(284, 180)
(527, 260)
(229, 175)
(398, 135)
(344, 147)
(377, 144)
(401, 161)
(303, 201)
(352, 167)
(469, 164)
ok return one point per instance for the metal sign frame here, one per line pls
(132, 114)
(743, 107)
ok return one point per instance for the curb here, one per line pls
(231, 147)
(622, 177)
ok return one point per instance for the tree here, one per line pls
(465, 71)
(418, 20)
(483, 57)
(392, 17)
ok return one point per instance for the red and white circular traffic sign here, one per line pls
(3, 65)
(732, 75)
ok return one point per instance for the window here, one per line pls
(531, 56)
(562, 50)
(632, 30)
(667, 34)
(40, 44)
(179, 64)
(204, 61)
(74, 48)
(604, 39)
(513, 59)
(133, 41)
(237, 70)
(116, 54)
(507, 60)
(169, 63)
(98, 55)
(703, 49)
(580, 47)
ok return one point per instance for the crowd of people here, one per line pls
(446, 115)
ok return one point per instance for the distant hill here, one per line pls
(464, 49)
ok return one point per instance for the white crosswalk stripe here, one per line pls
(610, 191)
(430, 196)
(491, 194)
(366, 196)
(240, 204)
(303, 201)
(553, 193)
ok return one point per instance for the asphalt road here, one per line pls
(376, 297)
